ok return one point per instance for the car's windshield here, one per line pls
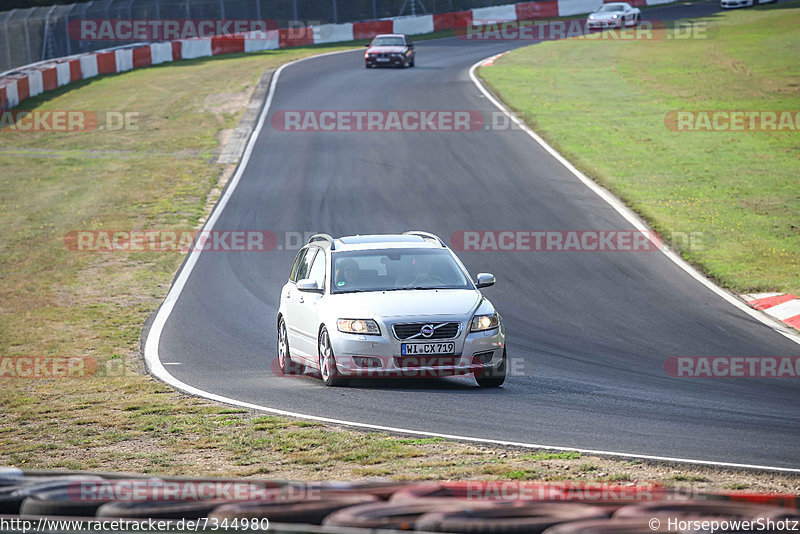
(388, 41)
(612, 7)
(388, 270)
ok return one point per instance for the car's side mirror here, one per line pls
(366, 45)
(410, 45)
(485, 280)
(307, 284)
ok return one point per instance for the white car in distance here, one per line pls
(614, 15)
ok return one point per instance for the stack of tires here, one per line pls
(211, 505)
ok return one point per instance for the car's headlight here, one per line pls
(484, 322)
(614, 16)
(358, 326)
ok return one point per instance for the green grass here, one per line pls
(602, 104)
(543, 456)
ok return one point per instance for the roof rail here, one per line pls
(323, 237)
(426, 235)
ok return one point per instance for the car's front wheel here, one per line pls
(287, 366)
(327, 361)
(492, 378)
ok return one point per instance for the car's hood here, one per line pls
(602, 15)
(385, 304)
(386, 49)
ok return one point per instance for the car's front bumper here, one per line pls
(602, 24)
(374, 356)
(394, 61)
(736, 3)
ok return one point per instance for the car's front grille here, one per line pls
(414, 331)
(433, 360)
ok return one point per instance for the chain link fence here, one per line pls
(36, 34)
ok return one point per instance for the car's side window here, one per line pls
(317, 272)
(305, 264)
(297, 261)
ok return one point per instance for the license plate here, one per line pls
(383, 59)
(421, 349)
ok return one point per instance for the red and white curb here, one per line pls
(784, 307)
(489, 62)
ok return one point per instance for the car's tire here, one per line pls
(160, 509)
(393, 515)
(708, 509)
(327, 361)
(495, 377)
(60, 501)
(302, 510)
(12, 497)
(413, 59)
(285, 362)
(528, 518)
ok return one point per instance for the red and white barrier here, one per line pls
(368, 30)
(258, 41)
(567, 8)
(9, 97)
(414, 25)
(537, 10)
(123, 59)
(35, 85)
(160, 53)
(88, 66)
(194, 48)
(332, 33)
(499, 13)
(56, 73)
(63, 73)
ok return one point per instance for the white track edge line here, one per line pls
(629, 215)
(155, 366)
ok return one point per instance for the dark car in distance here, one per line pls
(390, 50)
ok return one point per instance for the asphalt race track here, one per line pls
(591, 331)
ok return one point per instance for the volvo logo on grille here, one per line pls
(426, 330)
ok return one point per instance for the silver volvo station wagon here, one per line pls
(395, 305)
